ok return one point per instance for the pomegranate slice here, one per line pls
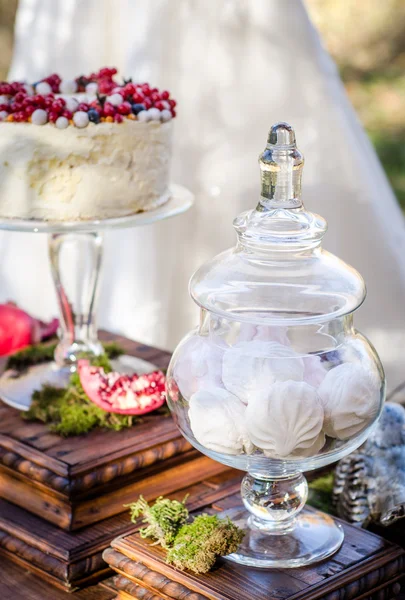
(123, 394)
(18, 329)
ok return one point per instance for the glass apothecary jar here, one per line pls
(275, 381)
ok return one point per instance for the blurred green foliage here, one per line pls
(367, 41)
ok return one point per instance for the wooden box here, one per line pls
(366, 567)
(71, 560)
(81, 480)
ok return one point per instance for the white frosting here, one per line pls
(198, 365)
(250, 368)
(287, 421)
(101, 171)
(351, 399)
(217, 420)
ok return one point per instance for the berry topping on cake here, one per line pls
(85, 101)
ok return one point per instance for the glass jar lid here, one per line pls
(278, 273)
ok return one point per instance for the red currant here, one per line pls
(5, 89)
(29, 110)
(58, 106)
(4, 107)
(159, 105)
(147, 102)
(129, 89)
(83, 106)
(125, 108)
(137, 98)
(20, 116)
(165, 95)
(16, 107)
(172, 103)
(155, 97)
(118, 118)
(67, 114)
(105, 86)
(146, 90)
(108, 110)
(53, 116)
(20, 97)
(173, 112)
(38, 101)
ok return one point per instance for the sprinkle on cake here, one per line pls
(79, 102)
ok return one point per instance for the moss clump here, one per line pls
(69, 412)
(194, 546)
(198, 544)
(320, 493)
(40, 353)
(164, 518)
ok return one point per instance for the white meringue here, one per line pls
(314, 371)
(351, 398)
(250, 368)
(198, 365)
(287, 421)
(217, 420)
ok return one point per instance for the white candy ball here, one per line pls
(43, 88)
(62, 122)
(143, 116)
(165, 115)
(92, 88)
(39, 117)
(29, 89)
(3, 115)
(68, 86)
(154, 114)
(81, 119)
(3, 99)
(115, 99)
(71, 104)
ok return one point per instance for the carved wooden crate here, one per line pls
(81, 480)
(366, 567)
(71, 560)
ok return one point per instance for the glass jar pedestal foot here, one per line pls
(75, 252)
(277, 533)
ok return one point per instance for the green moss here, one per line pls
(194, 546)
(164, 518)
(198, 544)
(69, 412)
(320, 493)
(40, 353)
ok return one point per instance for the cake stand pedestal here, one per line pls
(75, 252)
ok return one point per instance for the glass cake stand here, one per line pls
(75, 252)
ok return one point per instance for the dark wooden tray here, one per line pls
(365, 567)
(78, 481)
(71, 560)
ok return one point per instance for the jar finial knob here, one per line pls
(281, 166)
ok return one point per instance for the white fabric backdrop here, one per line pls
(235, 66)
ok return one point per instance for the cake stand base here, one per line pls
(313, 537)
(16, 391)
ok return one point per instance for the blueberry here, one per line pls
(93, 115)
(136, 108)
